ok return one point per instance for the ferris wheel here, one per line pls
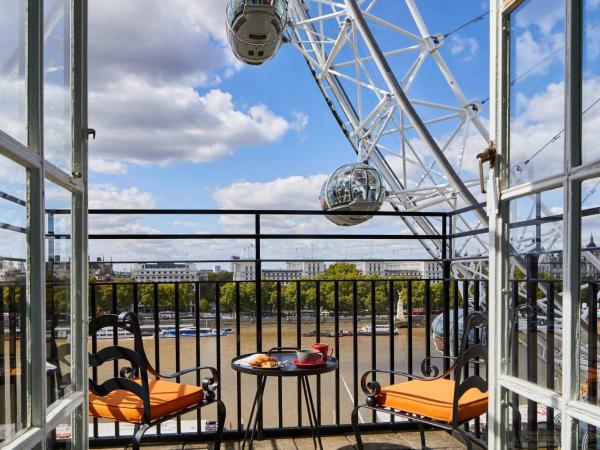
(371, 73)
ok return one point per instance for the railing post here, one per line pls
(531, 264)
(257, 282)
(258, 309)
(446, 290)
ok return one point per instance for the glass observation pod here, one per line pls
(255, 28)
(353, 187)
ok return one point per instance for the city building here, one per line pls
(165, 272)
(101, 270)
(371, 267)
(309, 269)
(281, 274)
(244, 270)
(418, 269)
(551, 263)
(12, 271)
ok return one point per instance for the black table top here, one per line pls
(290, 370)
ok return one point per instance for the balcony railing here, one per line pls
(361, 323)
(359, 316)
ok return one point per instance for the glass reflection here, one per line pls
(589, 294)
(13, 300)
(591, 81)
(57, 84)
(535, 285)
(537, 42)
(13, 93)
(58, 294)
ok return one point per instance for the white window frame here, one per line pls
(42, 420)
(499, 196)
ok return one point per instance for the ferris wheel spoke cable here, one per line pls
(559, 134)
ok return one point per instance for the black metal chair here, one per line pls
(445, 401)
(134, 398)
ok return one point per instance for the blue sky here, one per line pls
(285, 87)
(182, 124)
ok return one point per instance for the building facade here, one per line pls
(551, 263)
(295, 270)
(165, 272)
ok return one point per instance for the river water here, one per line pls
(228, 387)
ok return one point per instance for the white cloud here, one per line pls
(107, 196)
(467, 47)
(179, 41)
(141, 123)
(147, 60)
(99, 165)
(543, 14)
(299, 191)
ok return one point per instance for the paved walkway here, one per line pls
(436, 440)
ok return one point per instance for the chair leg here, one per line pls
(463, 437)
(422, 434)
(221, 413)
(138, 434)
(359, 443)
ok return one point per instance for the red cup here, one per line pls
(323, 349)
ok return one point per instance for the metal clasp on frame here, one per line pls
(488, 155)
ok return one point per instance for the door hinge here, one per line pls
(488, 155)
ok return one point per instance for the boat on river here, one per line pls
(380, 330)
(191, 332)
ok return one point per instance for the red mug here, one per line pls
(323, 349)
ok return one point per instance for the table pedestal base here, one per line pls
(251, 430)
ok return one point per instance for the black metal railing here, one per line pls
(265, 314)
(294, 316)
(357, 315)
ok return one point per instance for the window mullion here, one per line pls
(572, 222)
(35, 212)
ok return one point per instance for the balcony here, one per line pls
(371, 316)
(376, 319)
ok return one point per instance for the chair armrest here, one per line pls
(372, 388)
(209, 384)
(429, 370)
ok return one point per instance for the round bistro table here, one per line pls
(289, 370)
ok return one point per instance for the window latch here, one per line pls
(488, 155)
(91, 132)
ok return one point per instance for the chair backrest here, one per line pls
(473, 352)
(136, 358)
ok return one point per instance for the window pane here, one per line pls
(590, 279)
(57, 82)
(13, 331)
(591, 81)
(62, 436)
(588, 436)
(58, 292)
(535, 284)
(537, 42)
(530, 424)
(13, 119)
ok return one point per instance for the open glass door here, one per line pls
(544, 311)
(43, 276)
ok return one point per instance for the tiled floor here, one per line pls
(437, 440)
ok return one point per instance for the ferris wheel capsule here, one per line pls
(255, 28)
(352, 187)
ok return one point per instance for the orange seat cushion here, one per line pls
(433, 399)
(166, 398)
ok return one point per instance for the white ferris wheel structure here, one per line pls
(374, 75)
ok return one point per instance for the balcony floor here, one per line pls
(437, 440)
